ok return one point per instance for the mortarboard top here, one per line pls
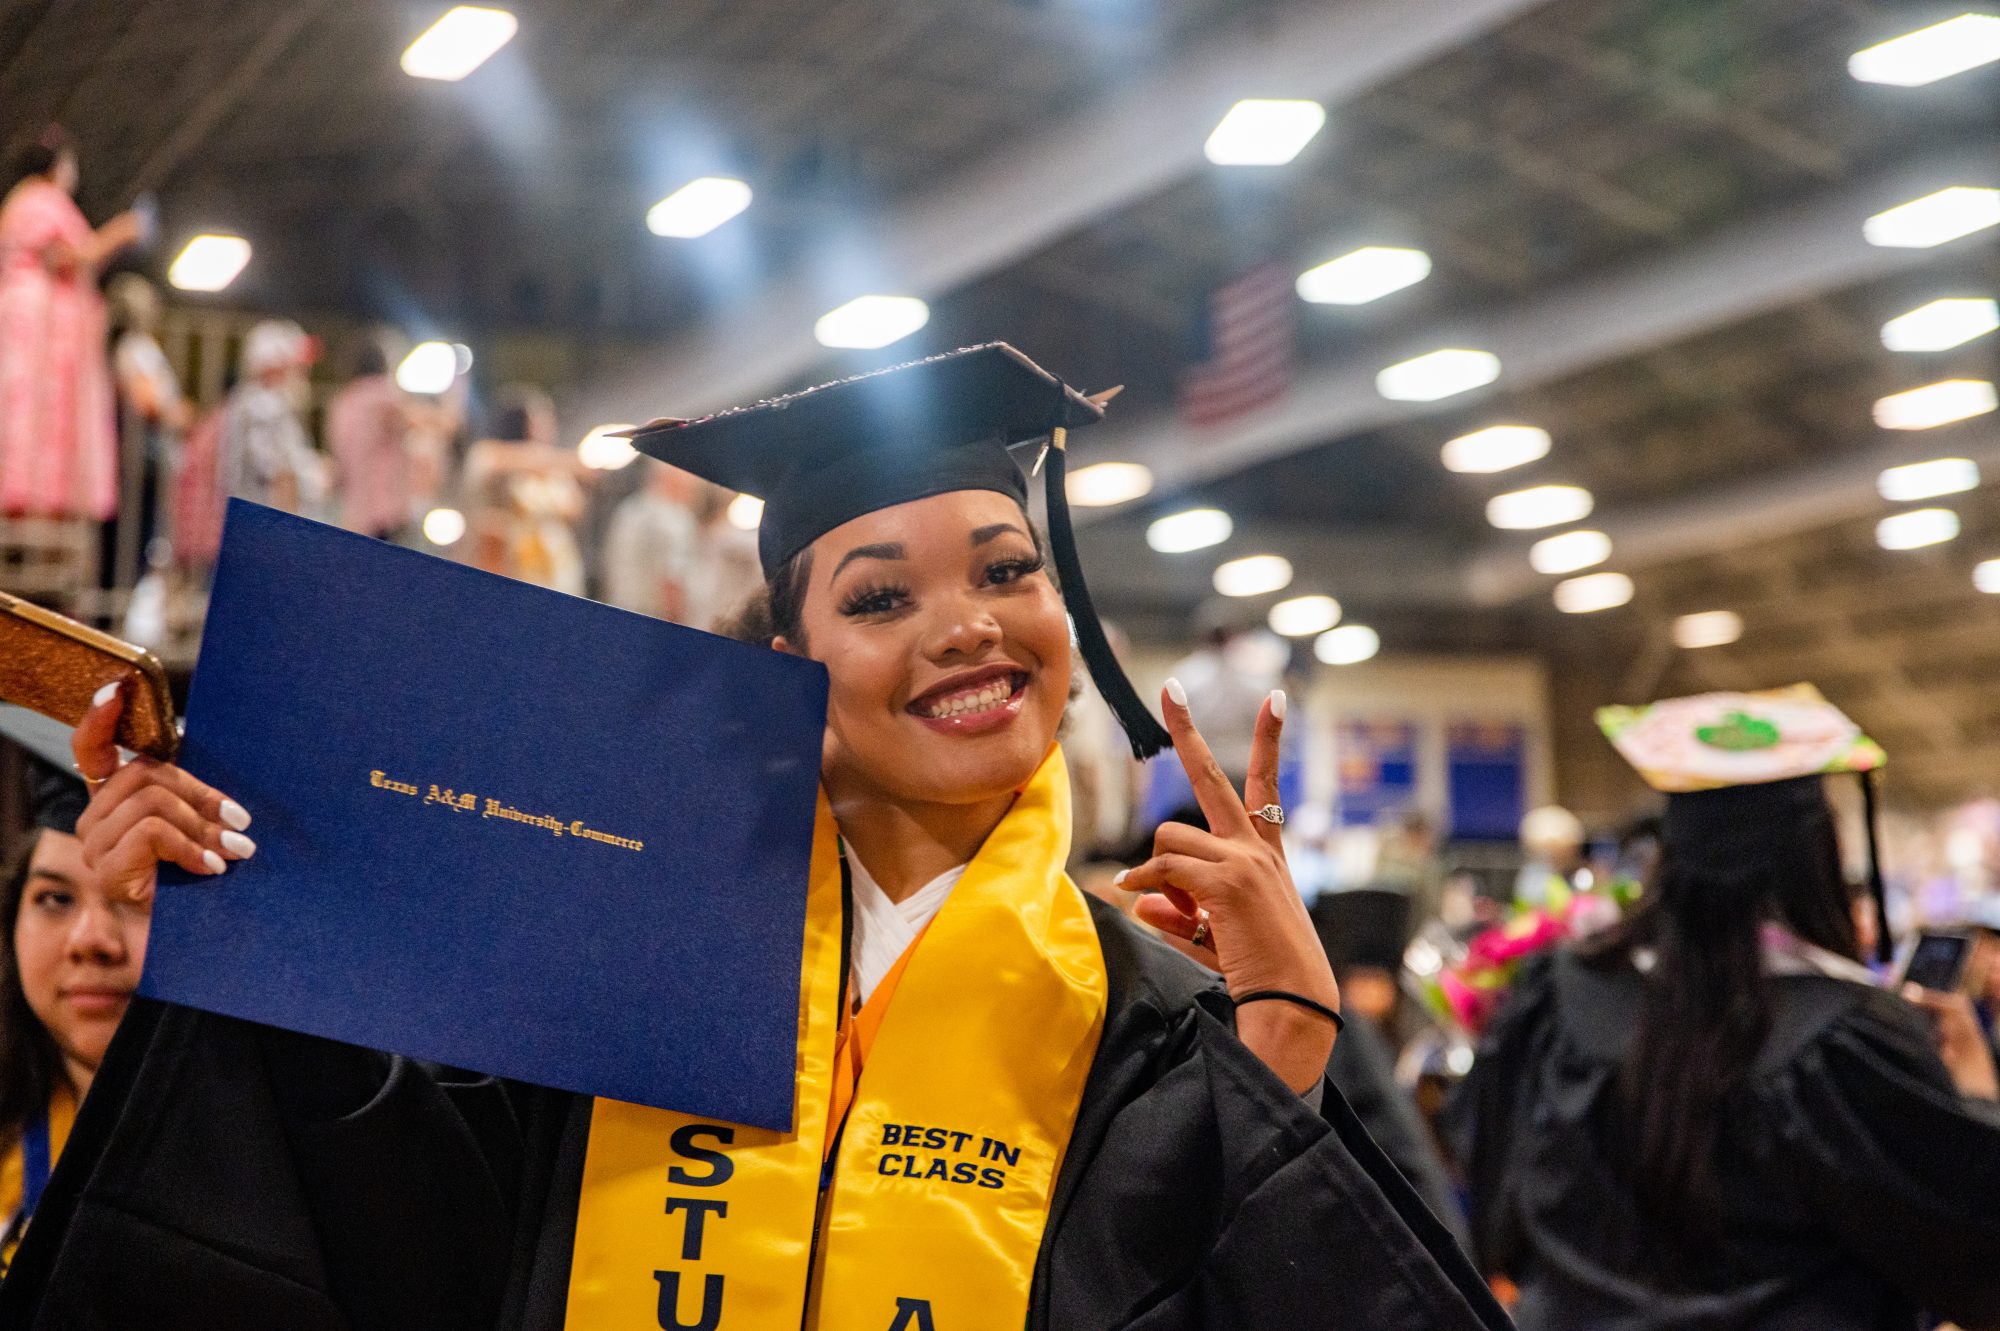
(1716, 740)
(1742, 771)
(827, 455)
(56, 794)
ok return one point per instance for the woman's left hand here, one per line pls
(1235, 878)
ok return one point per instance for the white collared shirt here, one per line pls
(883, 929)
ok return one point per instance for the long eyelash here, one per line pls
(1021, 568)
(856, 602)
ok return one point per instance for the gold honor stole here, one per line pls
(938, 1193)
(27, 1164)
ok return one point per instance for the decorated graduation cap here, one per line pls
(56, 794)
(828, 455)
(1742, 773)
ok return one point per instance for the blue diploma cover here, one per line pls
(498, 827)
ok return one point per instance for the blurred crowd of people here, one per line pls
(84, 373)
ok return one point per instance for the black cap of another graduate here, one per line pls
(1743, 774)
(827, 455)
(56, 794)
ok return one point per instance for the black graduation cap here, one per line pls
(1744, 774)
(56, 794)
(827, 455)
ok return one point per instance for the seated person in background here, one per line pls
(522, 497)
(650, 552)
(266, 455)
(67, 972)
(367, 430)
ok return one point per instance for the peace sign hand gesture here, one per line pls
(1229, 892)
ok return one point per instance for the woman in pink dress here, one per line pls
(58, 455)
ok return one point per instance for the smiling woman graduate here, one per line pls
(1015, 1109)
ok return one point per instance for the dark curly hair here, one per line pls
(30, 1063)
(40, 157)
(777, 609)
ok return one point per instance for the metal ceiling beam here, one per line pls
(1770, 261)
(1683, 96)
(1106, 156)
(218, 102)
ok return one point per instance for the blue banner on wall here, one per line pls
(1486, 776)
(1377, 760)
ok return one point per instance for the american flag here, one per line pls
(1243, 357)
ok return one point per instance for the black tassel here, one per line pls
(1884, 948)
(1148, 736)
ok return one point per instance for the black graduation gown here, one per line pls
(1858, 1186)
(1363, 1066)
(223, 1175)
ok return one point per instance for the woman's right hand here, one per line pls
(1961, 1044)
(121, 233)
(146, 812)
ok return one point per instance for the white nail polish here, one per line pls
(1277, 704)
(212, 862)
(105, 694)
(1176, 692)
(1123, 874)
(235, 815)
(242, 847)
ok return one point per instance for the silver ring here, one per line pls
(1270, 813)
(1200, 935)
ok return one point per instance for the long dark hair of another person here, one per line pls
(1707, 1008)
(30, 1063)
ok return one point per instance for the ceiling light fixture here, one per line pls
(698, 207)
(1593, 592)
(1986, 576)
(1264, 132)
(1935, 218)
(1927, 480)
(1708, 628)
(1367, 274)
(1929, 54)
(602, 450)
(746, 512)
(1103, 484)
(458, 43)
(1539, 506)
(444, 526)
(1303, 616)
(1916, 529)
(428, 370)
(1569, 552)
(1438, 374)
(1194, 529)
(1350, 644)
(1935, 404)
(209, 263)
(1942, 324)
(1496, 448)
(868, 322)
(1254, 575)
